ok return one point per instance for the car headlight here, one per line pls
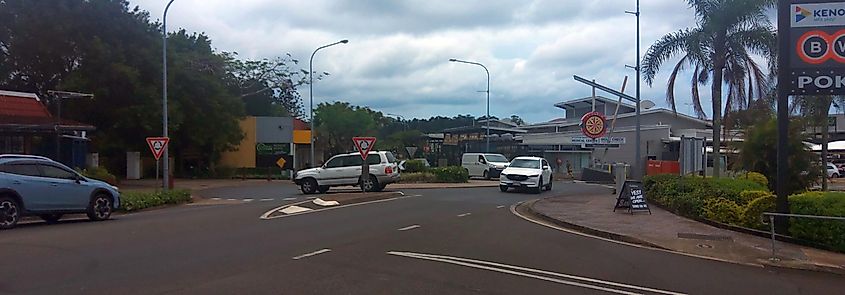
(535, 175)
(502, 174)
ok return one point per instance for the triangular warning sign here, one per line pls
(157, 145)
(364, 145)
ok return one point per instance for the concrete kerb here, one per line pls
(527, 208)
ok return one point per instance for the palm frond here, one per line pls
(696, 97)
(670, 87)
(665, 48)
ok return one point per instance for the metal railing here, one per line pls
(772, 223)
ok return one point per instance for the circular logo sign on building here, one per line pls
(593, 125)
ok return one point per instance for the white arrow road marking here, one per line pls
(318, 252)
(323, 203)
(464, 214)
(410, 227)
(269, 214)
(532, 273)
(294, 210)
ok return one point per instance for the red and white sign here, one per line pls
(593, 125)
(157, 145)
(364, 145)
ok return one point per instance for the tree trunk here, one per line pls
(716, 93)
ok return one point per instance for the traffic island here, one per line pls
(331, 201)
(593, 215)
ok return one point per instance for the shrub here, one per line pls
(746, 197)
(418, 177)
(451, 174)
(731, 189)
(722, 210)
(99, 173)
(827, 232)
(132, 201)
(412, 166)
(758, 178)
(751, 214)
(686, 195)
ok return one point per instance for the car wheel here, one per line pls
(323, 189)
(503, 188)
(540, 186)
(549, 186)
(51, 218)
(100, 207)
(308, 186)
(10, 213)
(486, 175)
(369, 184)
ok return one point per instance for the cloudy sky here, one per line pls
(396, 60)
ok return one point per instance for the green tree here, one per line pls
(759, 153)
(720, 51)
(338, 122)
(517, 120)
(268, 87)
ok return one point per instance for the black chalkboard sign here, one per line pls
(632, 197)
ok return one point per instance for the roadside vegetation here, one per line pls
(134, 201)
(741, 201)
(416, 172)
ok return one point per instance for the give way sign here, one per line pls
(364, 145)
(157, 145)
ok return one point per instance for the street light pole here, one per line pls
(311, 93)
(487, 149)
(638, 148)
(166, 165)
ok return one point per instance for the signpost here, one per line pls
(811, 42)
(364, 145)
(411, 151)
(157, 146)
(632, 197)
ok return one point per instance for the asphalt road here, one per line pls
(455, 241)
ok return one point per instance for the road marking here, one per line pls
(248, 200)
(294, 210)
(288, 199)
(266, 199)
(318, 252)
(323, 203)
(532, 273)
(266, 215)
(409, 227)
(216, 199)
(231, 200)
(500, 206)
(464, 214)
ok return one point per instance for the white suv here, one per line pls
(345, 170)
(527, 172)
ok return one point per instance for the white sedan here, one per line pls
(527, 172)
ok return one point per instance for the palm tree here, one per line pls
(719, 50)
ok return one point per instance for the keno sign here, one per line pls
(816, 59)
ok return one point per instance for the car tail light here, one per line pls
(388, 170)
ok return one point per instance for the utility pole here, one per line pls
(639, 160)
(166, 165)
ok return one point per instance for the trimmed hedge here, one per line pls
(722, 210)
(451, 174)
(412, 166)
(418, 177)
(758, 178)
(753, 211)
(827, 232)
(133, 201)
(686, 195)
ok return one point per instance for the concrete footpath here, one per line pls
(593, 214)
(198, 184)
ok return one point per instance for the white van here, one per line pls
(484, 165)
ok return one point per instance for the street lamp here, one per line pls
(639, 160)
(488, 96)
(166, 165)
(311, 93)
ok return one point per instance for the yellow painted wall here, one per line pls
(244, 156)
(302, 136)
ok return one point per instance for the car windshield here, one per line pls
(496, 158)
(525, 163)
